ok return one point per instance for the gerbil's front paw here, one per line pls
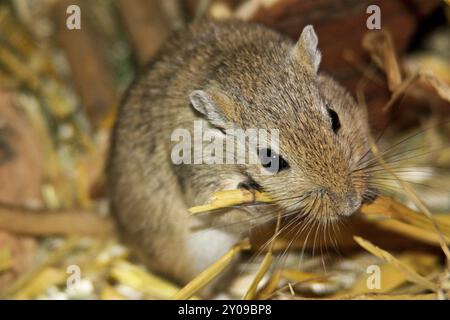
(249, 185)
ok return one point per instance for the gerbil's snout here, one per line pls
(333, 205)
(328, 203)
(347, 203)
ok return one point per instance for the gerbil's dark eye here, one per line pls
(335, 123)
(272, 161)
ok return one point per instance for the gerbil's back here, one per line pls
(192, 56)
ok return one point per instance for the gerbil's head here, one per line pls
(323, 133)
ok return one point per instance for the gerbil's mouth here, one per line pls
(249, 185)
(301, 223)
(302, 216)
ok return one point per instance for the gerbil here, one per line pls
(232, 75)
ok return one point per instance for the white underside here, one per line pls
(206, 246)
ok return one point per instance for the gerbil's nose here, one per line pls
(345, 203)
(350, 203)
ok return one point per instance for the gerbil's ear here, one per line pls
(306, 51)
(213, 106)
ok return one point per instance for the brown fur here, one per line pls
(252, 78)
